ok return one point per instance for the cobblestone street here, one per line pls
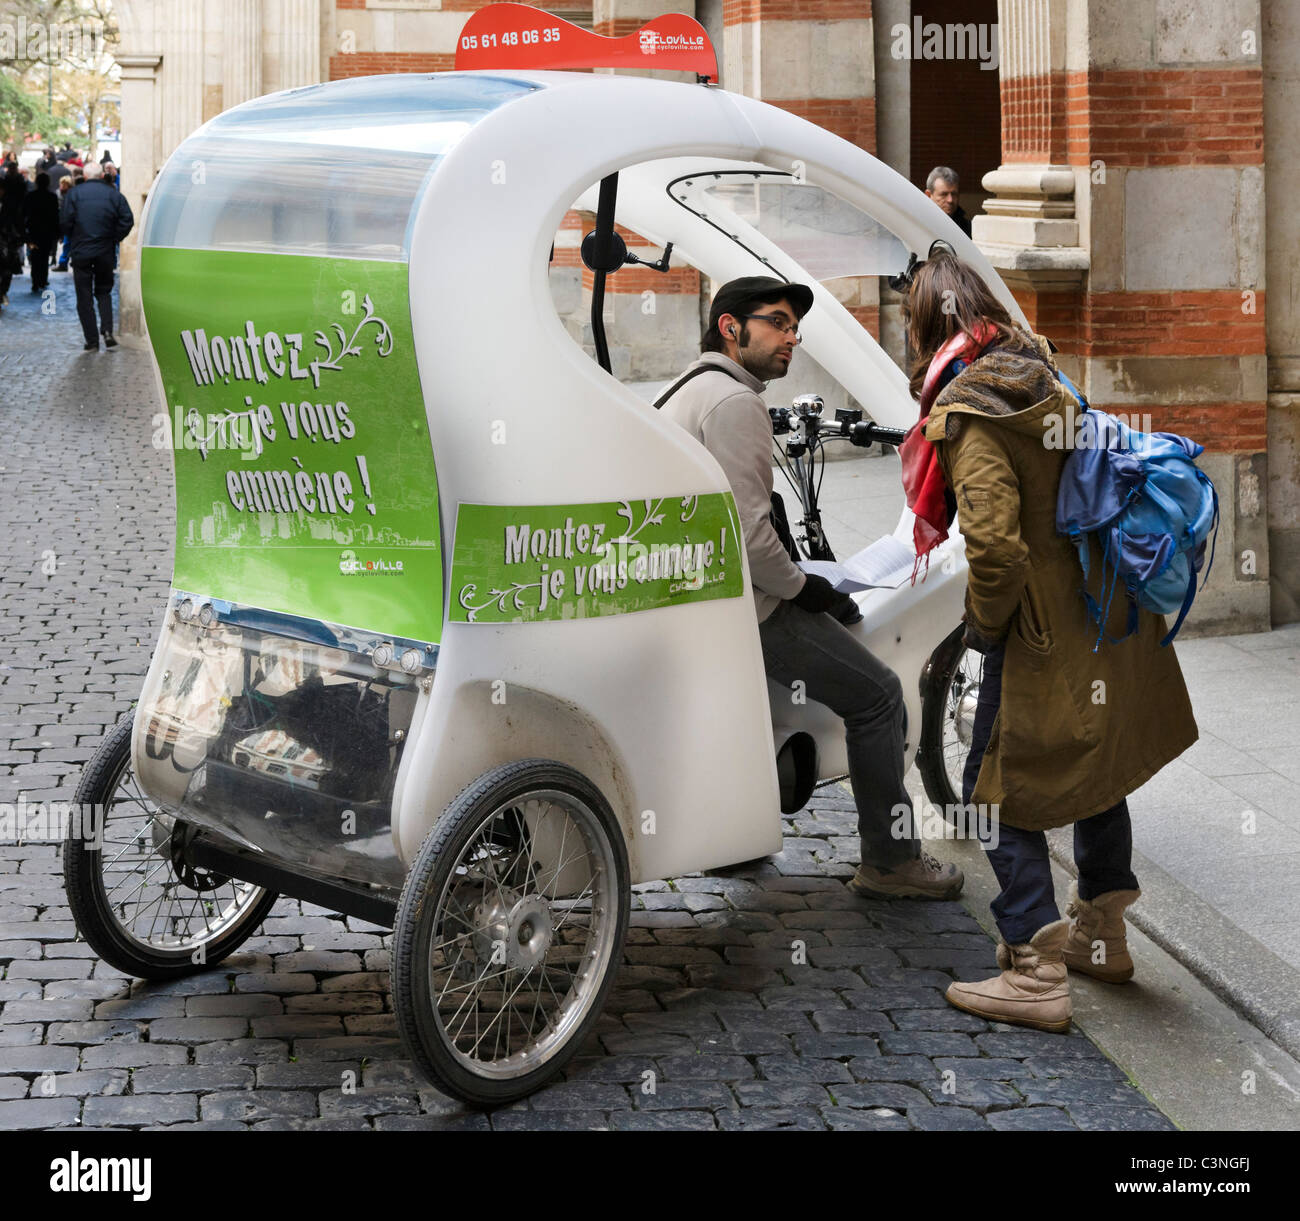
(713, 1023)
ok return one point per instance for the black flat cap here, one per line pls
(735, 293)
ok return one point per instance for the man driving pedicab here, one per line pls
(750, 340)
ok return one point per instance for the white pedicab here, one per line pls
(460, 639)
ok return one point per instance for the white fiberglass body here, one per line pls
(666, 709)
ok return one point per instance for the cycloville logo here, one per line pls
(350, 566)
(651, 42)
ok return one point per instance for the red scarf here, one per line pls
(923, 481)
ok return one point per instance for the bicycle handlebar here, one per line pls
(866, 433)
(861, 433)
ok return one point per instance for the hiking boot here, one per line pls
(1033, 989)
(922, 878)
(1097, 945)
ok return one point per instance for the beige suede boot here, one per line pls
(1097, 945)
(1033, 989)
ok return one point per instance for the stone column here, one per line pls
(1280, 44)
(140, 164)
(1030, 230)
(300, 51)
(180, 38)
(1159, 310)
(241, 52)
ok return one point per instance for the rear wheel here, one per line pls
(135, 898)
(509, 931)
(948, 721)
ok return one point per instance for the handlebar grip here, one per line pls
(866, 433)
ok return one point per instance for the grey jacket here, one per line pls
(723, 411)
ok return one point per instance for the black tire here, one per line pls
(479, 831)
(949, 690)
(229, 917)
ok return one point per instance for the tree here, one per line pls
(60, 48)
(19, 112)
(55, 33)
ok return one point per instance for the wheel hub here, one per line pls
(512, 930)
(964, 717)
(190, 875)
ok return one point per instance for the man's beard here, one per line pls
(767, 371)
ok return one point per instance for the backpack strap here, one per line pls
(1073, 389)
(685, 377)
(777, 515)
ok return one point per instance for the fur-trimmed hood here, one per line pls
(1015, 382)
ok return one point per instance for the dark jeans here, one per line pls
(94, 277)
(1103, 843)
(39, 262)
(837, 670)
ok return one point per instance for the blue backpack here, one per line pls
(1152, 510)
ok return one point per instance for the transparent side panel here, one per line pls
(283, 745)
(827, 236)
(331, 170)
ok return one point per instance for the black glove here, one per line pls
(817, 596)
(846, 611)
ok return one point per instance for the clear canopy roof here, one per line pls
(332, 170)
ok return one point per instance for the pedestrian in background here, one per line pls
(942, 185)
(65, 185)
(1046, 750)
(11, 227)
(55, 169)
(41, 222)
(96, 217)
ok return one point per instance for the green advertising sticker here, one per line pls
(305, 479)
(527, 563)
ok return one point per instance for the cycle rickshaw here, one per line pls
(460, 639)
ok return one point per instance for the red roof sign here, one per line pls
(522, 37)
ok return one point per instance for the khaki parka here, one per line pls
(1077, 730)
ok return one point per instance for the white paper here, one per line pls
(886, 564)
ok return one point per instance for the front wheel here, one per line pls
(948, 703)
(509, 931)
(139, 904)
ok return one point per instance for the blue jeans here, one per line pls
(1103, 843)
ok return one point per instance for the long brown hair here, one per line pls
(947, 296)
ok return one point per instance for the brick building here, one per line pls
(1128, 164)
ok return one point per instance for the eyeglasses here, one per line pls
(777, 320)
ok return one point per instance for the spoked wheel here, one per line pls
(948, 721)
(509, 931)
(137, 901)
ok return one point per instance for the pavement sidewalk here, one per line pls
(769, 998)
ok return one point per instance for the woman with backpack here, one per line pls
(1062, 734)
